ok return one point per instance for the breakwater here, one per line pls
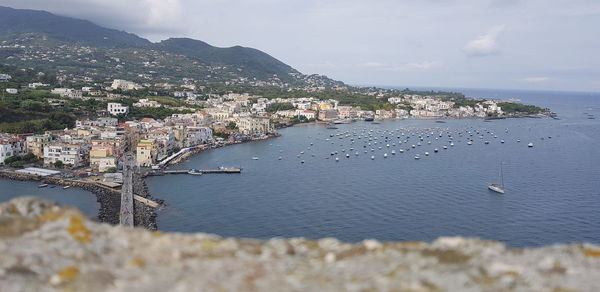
(108, 198)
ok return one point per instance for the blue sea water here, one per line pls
(85, 201)
(552, 190)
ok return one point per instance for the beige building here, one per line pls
(146, 152)
(255, 125)
(36, 144)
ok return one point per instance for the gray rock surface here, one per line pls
(44, 247)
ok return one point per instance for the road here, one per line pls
(126, 214)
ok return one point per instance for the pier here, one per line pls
(126, 212)
(185, 171)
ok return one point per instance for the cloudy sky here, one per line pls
(529, 44)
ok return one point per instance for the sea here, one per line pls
(297, 188)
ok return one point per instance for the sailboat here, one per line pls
(498, 188)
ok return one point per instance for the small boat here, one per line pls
(337, 159)
(393, 152)
(502, 141)
(498, 188)
(470, 143)
(417, 157)
(279, 158)
(445, 147)
(195, 171)
(426, 153)
(385, 155)
(347, 155)
(435, 150)
(254, 158)
(486, 142)
(42, 185)
(530, 145)
(372, 157)
(66, 187)
(302, 161)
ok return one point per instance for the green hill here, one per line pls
(51, 42)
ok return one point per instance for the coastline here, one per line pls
(145, 216)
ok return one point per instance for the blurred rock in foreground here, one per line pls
(44, 247)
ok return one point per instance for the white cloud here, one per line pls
(485, 44)
(413, 66)
(421, 65)
(373, 65)
(536, 79)
(146, 17)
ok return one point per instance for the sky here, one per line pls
(505, 44)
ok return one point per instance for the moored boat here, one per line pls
(195, 171)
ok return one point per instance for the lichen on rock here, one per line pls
(45, 247)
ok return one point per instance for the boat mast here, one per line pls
(501, 175)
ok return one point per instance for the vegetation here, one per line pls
(278, 106)
(20, 161)
(517, 108)
(223, 135)
(59, 164)
(231, 126)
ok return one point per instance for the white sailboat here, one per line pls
(498, 188)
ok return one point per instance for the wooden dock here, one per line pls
(185, 171)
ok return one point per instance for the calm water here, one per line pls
(552, 190)
(85, 201)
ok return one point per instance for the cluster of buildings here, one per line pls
(100, 143)
(432, 107)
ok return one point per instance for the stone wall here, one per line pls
(44, 247)
(109, 199)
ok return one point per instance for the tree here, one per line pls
(231, 126)
(111, 170)
(16, 164)
(58, 164)
(29, 157)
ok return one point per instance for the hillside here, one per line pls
(30, 38)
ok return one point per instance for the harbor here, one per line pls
(297, 188)
(203, 171)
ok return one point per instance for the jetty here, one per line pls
(186, 171)
(126, 212)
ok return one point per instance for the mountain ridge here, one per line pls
(42, 30)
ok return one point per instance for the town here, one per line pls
(194, 120)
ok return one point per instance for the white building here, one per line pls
(99, 122)
(69, 154)
(5, 77)
(68, 92)
(197, 135)
(125, 85)
(12, 90)
(115, 108)
(144, 102)
(37, 84)
(5, 152)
